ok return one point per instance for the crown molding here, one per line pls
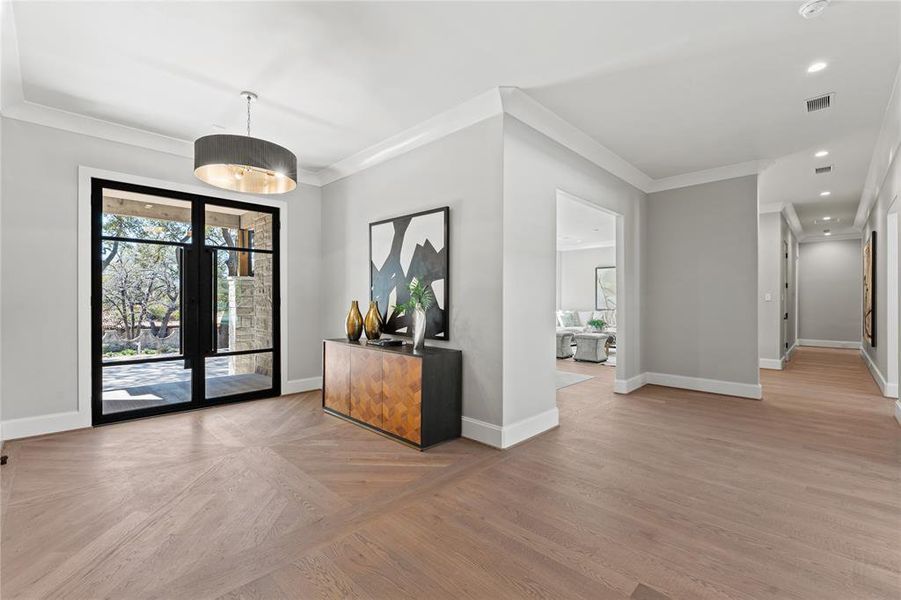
(463, 115)
(68, 121)
(751, 167)
(836, 237)
(884, 148)
(523, 107)
(794, 222)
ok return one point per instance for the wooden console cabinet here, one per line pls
(413, 397)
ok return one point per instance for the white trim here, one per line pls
(811, 238)
(829, 344)
(794, 222)
(510, 435)
(296, 386)
(43, 424)
(483, 432)
(771, 363)
(751, 167)
(463, 115)
(714, 386)
(523, 107)
(898, 411)
(790, 351)
(85, 174)
(892, 293)
(770, 208)
(77, 123)
(874, 371)
(627, 386)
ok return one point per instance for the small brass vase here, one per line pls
(372, 325)
(354, 323)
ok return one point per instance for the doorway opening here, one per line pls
(588, 283)
(185, 309)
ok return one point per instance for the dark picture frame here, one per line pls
(429, 262)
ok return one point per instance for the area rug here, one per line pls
(564, 379)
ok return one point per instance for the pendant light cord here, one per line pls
(249, 99)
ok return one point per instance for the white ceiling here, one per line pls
(672, 87)
(580, 226)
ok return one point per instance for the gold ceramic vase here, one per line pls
(372, 325)
(354, 324)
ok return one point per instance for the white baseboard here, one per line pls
(829, 344)
(31, 426)
(790, 351)
(509, 435)
(771, 363)
(875, 372)
(898, 411)
(891, 390)
(626, 386)
(714, 386)
(296, 386)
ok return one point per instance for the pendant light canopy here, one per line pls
(244, 163)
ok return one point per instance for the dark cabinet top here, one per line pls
(406, 349)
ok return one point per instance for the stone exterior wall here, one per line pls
(250, 306)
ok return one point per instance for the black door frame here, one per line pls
(197, 338)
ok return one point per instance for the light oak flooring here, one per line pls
(662, 494)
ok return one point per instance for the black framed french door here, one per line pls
(185, 307)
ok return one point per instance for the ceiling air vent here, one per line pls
(823, 170)
(820, 102)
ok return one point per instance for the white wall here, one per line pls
(769, 280)
(577, 276)
(830, 291)
(700, 309)
(38, 232)
(463, 171)
(535, 168)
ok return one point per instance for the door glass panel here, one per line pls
(238, 228)
(145, 217)
(141, 300)
(230, 375)
(145, 385)
(243, 300)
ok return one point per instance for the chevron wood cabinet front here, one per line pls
(414, 397)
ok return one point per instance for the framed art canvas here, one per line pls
(605, 294)
(869, 290)
(404, 248)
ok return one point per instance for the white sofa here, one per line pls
(576, 321)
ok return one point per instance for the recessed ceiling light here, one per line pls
(821, 153)
(816, 67)
(826, 193)
(827, 218)
(827, 232)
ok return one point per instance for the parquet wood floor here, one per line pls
(662, 494)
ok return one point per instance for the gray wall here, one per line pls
(462, 171)
(700, 309)
(577, 276)
(830, 291)
(535, 168)
(39, 231)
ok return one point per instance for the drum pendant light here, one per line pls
(243, 163)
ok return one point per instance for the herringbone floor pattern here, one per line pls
(659, 494)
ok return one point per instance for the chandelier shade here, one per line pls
(245, 164)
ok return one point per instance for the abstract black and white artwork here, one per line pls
(406, 248)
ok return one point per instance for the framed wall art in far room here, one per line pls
(407, 247)
(869, 290)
